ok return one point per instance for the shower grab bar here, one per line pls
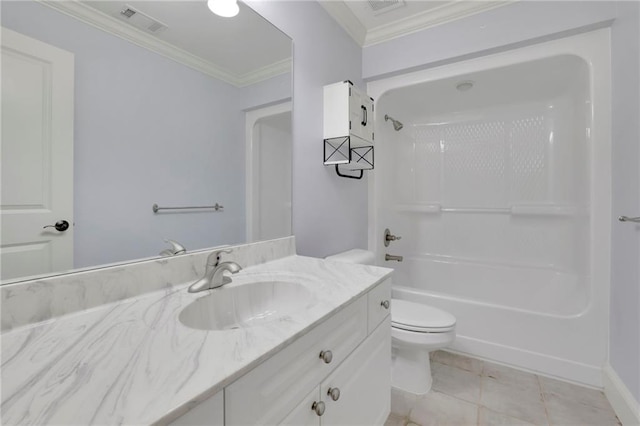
(629, 219)
(215, 207)
(516, 209)
(475, 210)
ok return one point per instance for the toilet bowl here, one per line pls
(416, 330)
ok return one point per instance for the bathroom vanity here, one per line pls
(341, 367)
(319, 352)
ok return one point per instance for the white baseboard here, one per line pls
(624, 404)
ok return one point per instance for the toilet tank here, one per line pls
(364, 257)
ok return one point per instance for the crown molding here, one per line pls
(430, 18)
(113, 26)
(268, 71)
(448, 12)
(341, 13)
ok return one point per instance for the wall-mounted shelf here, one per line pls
(348, 128)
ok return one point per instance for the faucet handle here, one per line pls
(214, 257)
(176, 248)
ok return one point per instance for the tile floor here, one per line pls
(467, 391)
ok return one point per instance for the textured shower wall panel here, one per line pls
(473, 164)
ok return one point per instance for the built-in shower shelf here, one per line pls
(515, 210)
(543, 210)
(490, 262)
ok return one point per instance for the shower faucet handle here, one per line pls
(388, 237)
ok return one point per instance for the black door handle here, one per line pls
(61, 226)
(364, 115)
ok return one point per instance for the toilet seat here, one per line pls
(420, 318)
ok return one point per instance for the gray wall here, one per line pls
(624, 343)
(147, 130)
(329, 212)
(525, 23)
(275, 90)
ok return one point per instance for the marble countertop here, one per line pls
(134, 362)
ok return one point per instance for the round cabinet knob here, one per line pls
(326, 356)
(385, 304)
(334, 393)
(318, 408)
(61, 226)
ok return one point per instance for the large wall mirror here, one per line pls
(112, 107)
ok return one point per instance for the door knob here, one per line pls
(61, 226)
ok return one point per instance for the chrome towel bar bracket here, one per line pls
(215, 207)
(629, 219)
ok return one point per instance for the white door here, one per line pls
(36, 156)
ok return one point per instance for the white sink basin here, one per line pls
(246, 305)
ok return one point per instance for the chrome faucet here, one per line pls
(214, 274)
(176, 249)
(389, 257)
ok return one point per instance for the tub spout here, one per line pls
(389, 257)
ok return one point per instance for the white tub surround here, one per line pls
(131, 360)
(500, 185)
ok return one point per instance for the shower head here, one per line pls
(396, 124)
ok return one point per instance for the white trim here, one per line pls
(268, 71)
(448, 12)
(251, 117)
(111, 25)
(624, 404)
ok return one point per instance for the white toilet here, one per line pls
(416, 330)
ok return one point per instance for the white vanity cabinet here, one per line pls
(209, 412)
(338, 354)
(357, 392)
(361, 383)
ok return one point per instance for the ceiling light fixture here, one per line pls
(224, 8)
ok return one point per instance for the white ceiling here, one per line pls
(368, 27)
(240, 50)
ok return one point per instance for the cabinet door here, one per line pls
(209, 412)
(266, 394)
(303, 414)
(364, 382)
(356, 114)
(378, 309)
(366, 125)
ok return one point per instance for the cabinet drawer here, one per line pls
(375, 300)
(269, 392)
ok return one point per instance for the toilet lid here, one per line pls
(418, 317)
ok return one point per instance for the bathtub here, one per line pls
(499, 185)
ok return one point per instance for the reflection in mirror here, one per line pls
(110, 107)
